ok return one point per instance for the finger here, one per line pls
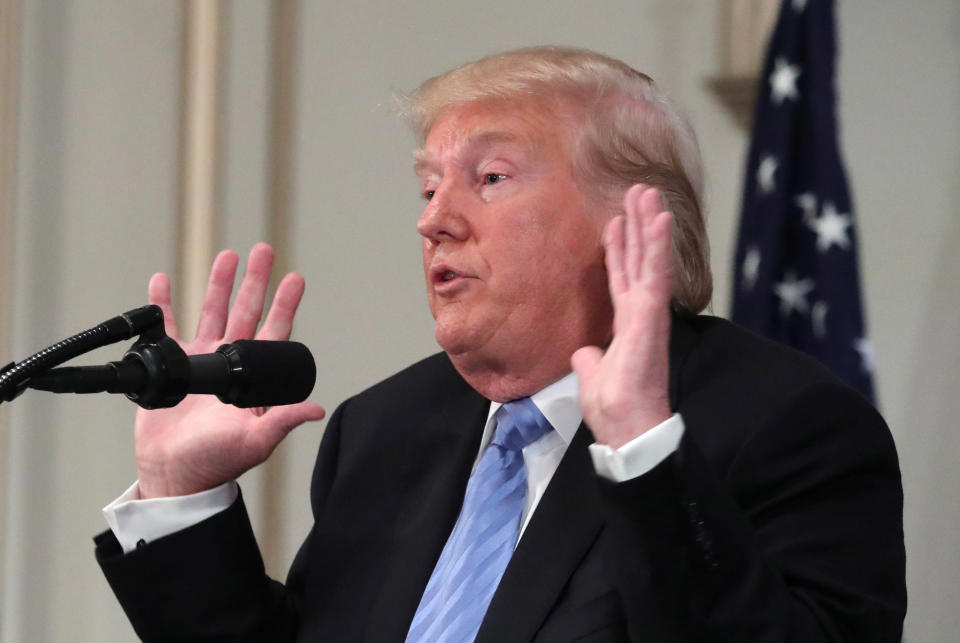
(248, 305)
(613, 239)
(585, 362)
(213, 315)
(634, 231)
(158, 293)
(656, 263)
(651, 203)
(274, 425)
(279, 321)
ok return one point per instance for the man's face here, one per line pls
(511, 252)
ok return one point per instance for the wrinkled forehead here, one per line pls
(475, 140)
(531, 126)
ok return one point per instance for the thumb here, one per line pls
(585, 362)
(274, 425)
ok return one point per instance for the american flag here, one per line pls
(795, 274)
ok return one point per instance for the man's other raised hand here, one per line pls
(202, 443)
(624, 390)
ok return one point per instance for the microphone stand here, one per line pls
(154, 372)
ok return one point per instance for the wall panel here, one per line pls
(94, 217)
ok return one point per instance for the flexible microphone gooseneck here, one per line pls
(15, 376)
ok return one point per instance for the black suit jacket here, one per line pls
(779, 518)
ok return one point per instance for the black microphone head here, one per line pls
(268, 373)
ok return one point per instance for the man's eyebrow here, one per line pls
(423, 160)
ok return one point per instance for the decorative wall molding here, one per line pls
(204, 51)
(738, 95)
(9, 85)
(283, 49)
(199, 156)
(745, 27)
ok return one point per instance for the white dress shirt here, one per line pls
(133, 519)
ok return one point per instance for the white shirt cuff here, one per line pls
(132, 519)
(639, 455)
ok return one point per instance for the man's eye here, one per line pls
(491, 179)
(428, 194)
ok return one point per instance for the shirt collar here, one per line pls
(560, 404)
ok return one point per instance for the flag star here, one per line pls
(862, 345)
(793, 293)
(808, 203)
(768, 165)
(799, 5)
(831, 228)
(751, 267)
(819, 319)
(783, 81)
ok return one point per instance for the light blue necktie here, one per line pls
(482, 541)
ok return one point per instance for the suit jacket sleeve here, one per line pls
(795, 536)
(207, 582)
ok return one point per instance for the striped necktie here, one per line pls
(481, 543)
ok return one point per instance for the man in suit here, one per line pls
(688, 481)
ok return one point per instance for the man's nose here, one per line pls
(445, 217)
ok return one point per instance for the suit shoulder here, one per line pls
(732, 377)
(381, 419)
(430, 373)
(419, 386)
(723, 351)
(736, 388)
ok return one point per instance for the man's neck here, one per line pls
(504, 382)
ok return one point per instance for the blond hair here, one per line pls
(629, 133)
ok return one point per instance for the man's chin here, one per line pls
(452, 342)
(455, 336)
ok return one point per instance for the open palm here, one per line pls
(201, 442)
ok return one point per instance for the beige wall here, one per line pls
(901, 118)
(9, 47)
(96, 190)
(96, 206)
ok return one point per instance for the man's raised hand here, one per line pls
(624, 390)
(202, 443)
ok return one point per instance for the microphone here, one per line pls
(252, 372)
(246, 373)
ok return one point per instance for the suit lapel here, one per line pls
(441, 452)
(682, 340)
(562, 529)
